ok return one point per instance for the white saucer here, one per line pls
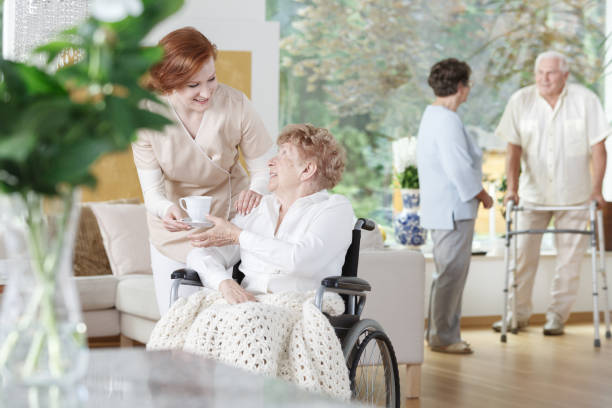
(197, 224)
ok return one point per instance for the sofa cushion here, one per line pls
(136, 295)
(126, 237)
(97, 292)
(136, 328)
(102, 323)
(397, 299)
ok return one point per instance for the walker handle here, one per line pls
(509, 208)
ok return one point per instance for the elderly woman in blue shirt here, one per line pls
(450, 174)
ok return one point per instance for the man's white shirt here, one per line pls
(556, 143)
(309, 245)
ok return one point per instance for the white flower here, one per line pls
(404, 153)
(115, 10)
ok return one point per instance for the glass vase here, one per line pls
(42, 335)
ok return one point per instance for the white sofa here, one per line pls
(124, 302)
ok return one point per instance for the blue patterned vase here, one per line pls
(407, 223)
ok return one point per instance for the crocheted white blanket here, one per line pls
(281, 335)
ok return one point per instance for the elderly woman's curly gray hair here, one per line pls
(317, 144)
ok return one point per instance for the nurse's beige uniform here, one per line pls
(205, 165)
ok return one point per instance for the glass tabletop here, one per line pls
(125, 377)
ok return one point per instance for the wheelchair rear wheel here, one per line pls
(372, 366)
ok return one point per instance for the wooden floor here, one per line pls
(531, 370)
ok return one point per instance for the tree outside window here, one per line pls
(360, 67)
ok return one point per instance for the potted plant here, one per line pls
(54, 124)
(407, 223)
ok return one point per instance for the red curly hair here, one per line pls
(185, 51)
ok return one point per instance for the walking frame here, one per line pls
(597, 262)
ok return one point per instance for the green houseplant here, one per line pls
(404, 162)
(54, 124)
(407, 223)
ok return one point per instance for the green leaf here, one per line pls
(409, 178)
(13, 84)
(39, 82)
(17, 147)
(118, 111)
(21, 79)
(138, 61)
(9, 113)
(53, 49)
(49, 118)
(149, 120)
(72, 163)
(9, 176)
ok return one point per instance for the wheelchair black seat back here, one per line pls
(367, 350)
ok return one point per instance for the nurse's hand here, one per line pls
(233, 293)
(172, 220)
(247, 200)
(221, 234)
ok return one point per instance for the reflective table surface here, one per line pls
(132, 377)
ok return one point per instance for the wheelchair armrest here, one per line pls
(188, 275)
(346, 283)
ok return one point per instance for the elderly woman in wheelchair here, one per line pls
(295, 237)
(297, 240)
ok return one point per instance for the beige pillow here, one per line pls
(126, 237)
(89, 254)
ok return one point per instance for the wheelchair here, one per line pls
(368, 352)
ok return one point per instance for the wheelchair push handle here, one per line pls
(364, 223)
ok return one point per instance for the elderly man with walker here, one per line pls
(554, 131)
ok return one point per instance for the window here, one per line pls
(360, 68)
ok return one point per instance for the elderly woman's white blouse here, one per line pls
(310, 244)
(207, 165)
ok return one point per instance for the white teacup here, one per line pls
(197, 207)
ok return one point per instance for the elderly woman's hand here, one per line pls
(234, 293)
(221, 234)
(172, 220)
(247, 200)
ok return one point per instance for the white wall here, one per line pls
(253, 10)
(607, 183)
(483, 295)
(238, 25)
